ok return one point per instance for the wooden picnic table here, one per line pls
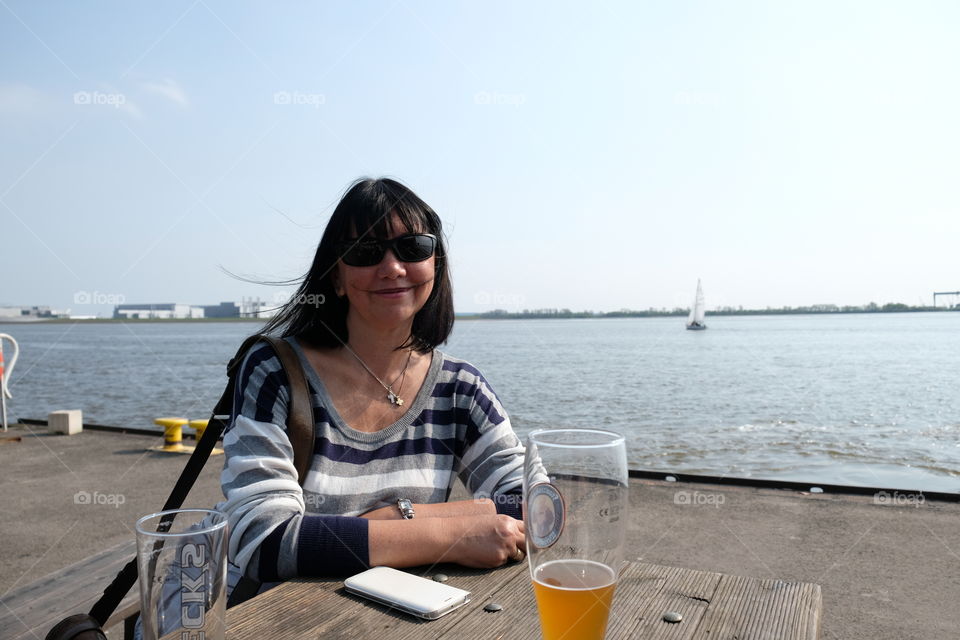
(713, 605)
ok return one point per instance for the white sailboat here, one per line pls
(695, 322)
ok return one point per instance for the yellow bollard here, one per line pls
(200, 426)
(172, 435)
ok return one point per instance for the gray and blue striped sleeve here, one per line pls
(270, 537)
(491, 465)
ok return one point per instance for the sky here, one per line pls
(591, 156)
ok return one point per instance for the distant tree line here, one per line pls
(873, 307)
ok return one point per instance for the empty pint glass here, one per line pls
(182, 559)
(575, 514)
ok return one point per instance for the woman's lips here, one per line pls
(396, 292)
(392, 293)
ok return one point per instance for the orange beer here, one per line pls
(574, 597)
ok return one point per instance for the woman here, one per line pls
(396, 419)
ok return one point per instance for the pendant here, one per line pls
(395, 399)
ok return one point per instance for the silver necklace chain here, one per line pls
(392, 396)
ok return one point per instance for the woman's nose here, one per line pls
(390, 266)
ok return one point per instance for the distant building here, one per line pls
(246, 308)
(257, 308)
(30, 313)
(222, 310)
(162, 311)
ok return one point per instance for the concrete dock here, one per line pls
(889, 565)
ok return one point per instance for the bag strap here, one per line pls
(300, 431)
(300, 423)
(300, 428)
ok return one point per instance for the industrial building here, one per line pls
(161, 311)
(23, 313)
(246, 308)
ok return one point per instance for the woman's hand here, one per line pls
(482, 541)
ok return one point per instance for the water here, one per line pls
(848, 399)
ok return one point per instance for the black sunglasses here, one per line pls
(413, 247)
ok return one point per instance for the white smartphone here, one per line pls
(409, 593)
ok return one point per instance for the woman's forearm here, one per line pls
(477, 507)
(459, 508)
(483, 541)
(404, 543)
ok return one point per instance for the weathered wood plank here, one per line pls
(482, 590)
(714, 607)
(687, 592)
(295, 609)
(94, 567)
(760, 609)
(513, 621)
(30, 611)
(323, 607)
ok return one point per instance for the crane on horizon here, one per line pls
(943, 293)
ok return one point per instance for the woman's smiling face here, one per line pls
(389, 294)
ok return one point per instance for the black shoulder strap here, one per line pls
(299, 426)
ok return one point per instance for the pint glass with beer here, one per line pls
(575, 515)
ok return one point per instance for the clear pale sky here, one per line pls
(582, 155)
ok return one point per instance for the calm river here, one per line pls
(867, 399)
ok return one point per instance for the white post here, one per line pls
(3, 388)
(5, 371)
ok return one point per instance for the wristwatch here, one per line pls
(406, 508)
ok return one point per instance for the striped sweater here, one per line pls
(455, 427)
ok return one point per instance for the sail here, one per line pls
(699, 308)
(697, 311)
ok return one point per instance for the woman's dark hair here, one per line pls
(318, 316)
